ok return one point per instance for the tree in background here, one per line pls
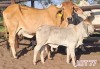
(45, 3)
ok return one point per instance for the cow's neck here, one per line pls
(52, 11)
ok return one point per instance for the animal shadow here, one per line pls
(25, 50)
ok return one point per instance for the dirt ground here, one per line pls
(86, 60)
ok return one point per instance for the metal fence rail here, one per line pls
(88, 8)
(7, 3)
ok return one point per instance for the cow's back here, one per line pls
(9, 16)
(28, 18)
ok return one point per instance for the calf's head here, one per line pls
(88, 26)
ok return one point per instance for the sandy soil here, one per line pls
(91, 58)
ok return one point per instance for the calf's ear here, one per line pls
(91, 17)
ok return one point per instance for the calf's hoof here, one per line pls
(34, 63)
(75, 65)
(15, 57)
(42, 62)
(68, 62)
(50, 58)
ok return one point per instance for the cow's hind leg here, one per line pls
(12, 44)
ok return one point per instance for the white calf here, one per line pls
(70, 37)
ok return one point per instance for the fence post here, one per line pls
(32, 3)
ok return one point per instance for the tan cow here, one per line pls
(22, 20)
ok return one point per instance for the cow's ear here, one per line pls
(60, 12)
(77, 9)
(60, 15)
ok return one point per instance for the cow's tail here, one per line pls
(6, 32)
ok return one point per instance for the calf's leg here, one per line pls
(36, 50)
(41, 55)
(47, 49)
(68, 55)
(72, 52)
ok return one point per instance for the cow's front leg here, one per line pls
(12, 44)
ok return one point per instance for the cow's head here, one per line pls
(69, 8)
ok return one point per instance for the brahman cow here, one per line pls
(70, 37)
(22, 20)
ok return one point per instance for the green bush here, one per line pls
(1, 19)
(2, 29)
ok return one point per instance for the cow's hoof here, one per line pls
(34, 63)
